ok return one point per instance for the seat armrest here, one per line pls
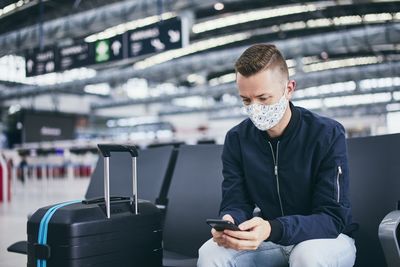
(389, 238)
(20, 247)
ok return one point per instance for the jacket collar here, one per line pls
(290, 128)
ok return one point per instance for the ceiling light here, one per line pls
(291, 63)
(309, 60)
(191, 101)
(196, 78)
(12, 68)
(14, 109)
(379, 83)
(219, 6)
(9, 8)
(190, 49)
(341, 63)
(377, 17)
(396, 96)
(347, 20)
(393, 107)
(293, 26)
(324, 22)
(136, 88)
(99, 89)
(325, 89)
(309, 104)
(132, 121)
(12, 7)
(245, 17)
(229, 99)
(63, 77)
(131, 25)
(357, 99)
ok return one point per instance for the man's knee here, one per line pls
(205, 250)
(211, 255)
(324, 252)
(303, 255)
(301, 258)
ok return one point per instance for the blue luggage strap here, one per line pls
(43, 228)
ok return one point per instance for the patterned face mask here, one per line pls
(266, 116)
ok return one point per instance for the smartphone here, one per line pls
(221, 225)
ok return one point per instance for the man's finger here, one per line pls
(220, 242)
(250, 224)
(238, 244)
(245, 235)
(216, 233)
(228, 217)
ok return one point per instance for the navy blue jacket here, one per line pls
(300, 181)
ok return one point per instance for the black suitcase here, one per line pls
(120, 231)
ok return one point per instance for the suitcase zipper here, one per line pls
(44, 224)
(276, 172)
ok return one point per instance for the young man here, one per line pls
(292, 165)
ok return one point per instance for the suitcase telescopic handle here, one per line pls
(106, 150)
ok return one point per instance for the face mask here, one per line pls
(265, 116)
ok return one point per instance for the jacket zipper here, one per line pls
(276, 172)
(338, 182)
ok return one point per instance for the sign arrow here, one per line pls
(116, 47)
(102, 51)
(30, 65)
(174, 36)
(158, 45)
(49, 67)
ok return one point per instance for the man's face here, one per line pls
(264, 87)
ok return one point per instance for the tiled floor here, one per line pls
(26, 198)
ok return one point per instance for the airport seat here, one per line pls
(20, 247)
(194, 195)
(190, 182)
(389, 236)
(374, 191)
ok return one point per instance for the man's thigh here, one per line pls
(339, 252)
(267, 255)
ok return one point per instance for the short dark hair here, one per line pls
(260, 57)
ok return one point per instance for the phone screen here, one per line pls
(221, 225)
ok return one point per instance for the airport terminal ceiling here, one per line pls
(343, 54)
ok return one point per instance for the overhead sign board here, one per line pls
(160, 37)
(109, 49)
(39, 62)
(155, 38)
(74, 56)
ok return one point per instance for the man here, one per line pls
(292, 165)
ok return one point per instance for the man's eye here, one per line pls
(246, 101)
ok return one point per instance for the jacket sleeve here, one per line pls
(330, 201)
(235, 198)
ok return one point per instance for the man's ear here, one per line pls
(291, 87)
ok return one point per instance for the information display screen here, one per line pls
(43, 126)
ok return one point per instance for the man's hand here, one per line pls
(218, 236)
(253, 232)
